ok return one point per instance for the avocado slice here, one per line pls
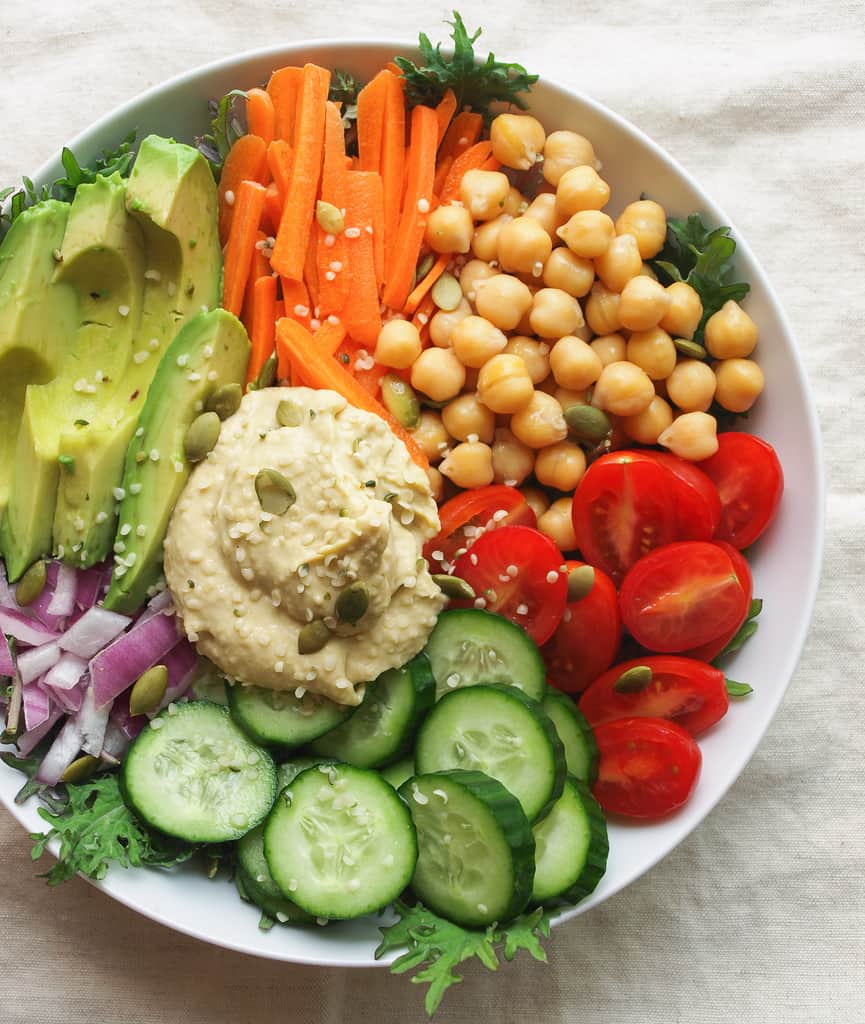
(37, 318)
(102, 261)
(172, 198)
(212, 349)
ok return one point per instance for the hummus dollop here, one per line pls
(246, 582)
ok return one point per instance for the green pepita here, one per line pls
(352, 603)
(424, 267)
(580, 582)
(288, 414)
(330, 218)
(633, 680)
(81, 769)
(454, 587)
(274, 491)
(31, 584)
(148, 690)
(225, 400)
(201, 437)
(691, 349)
(266, 376)
(312, 637)
(447, 292)
(400, 400)
(587, 423)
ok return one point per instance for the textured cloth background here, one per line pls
(760, 915)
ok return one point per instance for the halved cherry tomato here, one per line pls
(681, 596)
(648, 767)
(750, 481)
(517, 572)
(623, 508)
(696, 505)
(711, 650)
(465, 517)
(687, 692)
(588, 636)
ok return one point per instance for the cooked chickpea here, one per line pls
(623, 389)
(430, 435)
(646, 271)
(436, 483)
(398, 344)
(504, 384)
(730, 333)
(581, 188)
(540, 423)
(588, 233)
(643, 304)
(438, 373)
(543, 209)
(684, 312)
(558, 525)
(535, 354)
(619, 263)
(503, 300)
(472, 272)
(515, 202)
(485, 242)
(554, 313)
(564, 150)
(653, 351)
(574, 363)
(467, 420)
(560, 466)
(610, 348)
(475, 340)
(647, 222)
(566, 397)
(449, 229)
(602, 309)
(524, 246)
(691, 385)
(537, 500)
(469, 465)
(571, 273)
(512, 460)
(739, 383)
(691, 436)
(646, 426)
(441, 326)
(518, 140)
(483, 193)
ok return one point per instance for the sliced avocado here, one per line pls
(37, 318)
(211, 350)
(172, 197)
(102, 260)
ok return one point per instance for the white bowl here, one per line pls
(786, 561)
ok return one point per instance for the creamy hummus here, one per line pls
(246, 582)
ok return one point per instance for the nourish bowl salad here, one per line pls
(373, 505)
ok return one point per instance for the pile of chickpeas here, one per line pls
(559, 308)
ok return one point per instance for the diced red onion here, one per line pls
(93, 722)
(96, 628)
(128, 724)
(90, 584)
(116, 742)
(162, 602)
(28, 741)
(37, 706)
(61, 753)
(7, 598)
(26, 630)
(69, 699)
(181, 662)
(122, 662)
(63, 599)
(36, 661)
(7, 666)
(66, 673)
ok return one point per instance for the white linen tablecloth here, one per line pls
(760, 915)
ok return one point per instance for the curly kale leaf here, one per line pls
(53, 796)
(226, 128)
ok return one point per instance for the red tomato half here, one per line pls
(711, 650)
(648, 767)
(697, 507)
(623, 508)
(681, 596)
(465, 517)
(750, 481)
(687, 692)
(588, 636)
(517, 571)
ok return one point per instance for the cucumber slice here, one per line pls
(193, 774)
(383, 727)
(571, 847)
(279, 718)
(500, 731)
(288, 771)
(469, 646)
(581, 751)
(258, 883)
(339, 842)
(398, 772)
(476, 857)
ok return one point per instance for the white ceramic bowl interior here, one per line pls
(786, 561)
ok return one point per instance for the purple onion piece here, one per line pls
(116, 667)
(36, 661)
(25, 629)
(67, 673)
(61, 753)
(28, 741)
(96, 628)
(37, 706)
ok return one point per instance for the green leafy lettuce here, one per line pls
(225, 129)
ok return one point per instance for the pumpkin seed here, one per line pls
(352, 603)
(587, 423)
(81, 769)
(31, 584)
(274, 491)
(288, 414)
(424, 267)
(692, 349)
(148, 690)
(400, 400)
(633, 680)
(201, 437)
(454, 587)
(266, 376)
(330, 218)
(312, 637)
(224, 401)
(580, 582)
(447, 293)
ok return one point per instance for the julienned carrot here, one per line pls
(474, 157)
(329, 337)
(284, 88)
(424, 285)
(292, 238)
(317, 370)
(259, 266)
(297, 302)
(247, 159)
(272, 208)
(392, 162)
(279, 160)
(444, 112)
(371, 102)
(248, 207)
(422, 316)
(374, 193)
(442, 170)
(263, 330)
(260, 114)
(491, 164)
(332, 248)
(416, 206)
(464, 131)
(310, 270)
(362, 315)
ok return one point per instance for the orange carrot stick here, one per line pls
(247, 159)
(371, 101)
(260, 114)
(362, 315)
(272, 208)
(317, 370)
(283, 89)
(373, 192)
(292, 238)
(263, 330)
(442, 170)
(444, 112)
(296, 299)
(422, 316)
(248, 207)
(259, 266)
(279, 160)
(424, 285)
(464, 131)
(474, 157)
(329, 337)
(392, 163)
(310, 271)
(332, 249)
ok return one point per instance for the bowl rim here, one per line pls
(284, 53)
